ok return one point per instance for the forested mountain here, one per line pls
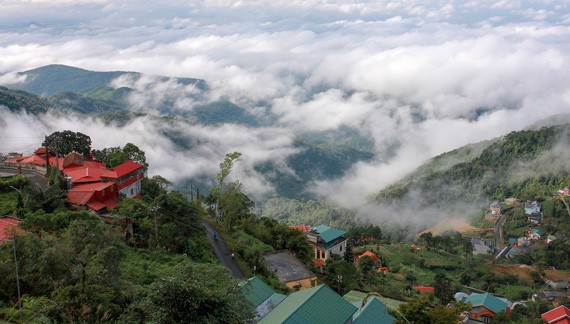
(63, 89)
(52, 79)
(525, 164)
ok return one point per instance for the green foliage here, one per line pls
(281, 237)
(113, 156)
(500, 171)
(190, 292)
(295, 212)
(223, 112)
(17, 181)
(67, 141)
(18, 101)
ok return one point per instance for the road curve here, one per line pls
(222, 251)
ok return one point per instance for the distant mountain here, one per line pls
(527, 164)
(17, 101)
(52, 79)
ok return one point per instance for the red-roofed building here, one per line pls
(384, 270)
(302, 228)
(128, 177)
(8, 226)
(424, 289)
(91, 183)
(369, 254)
(559, 315)
(97, 195)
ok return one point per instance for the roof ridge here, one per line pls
(313, 293)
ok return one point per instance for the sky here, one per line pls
(427, 76)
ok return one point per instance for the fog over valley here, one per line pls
(397, 82)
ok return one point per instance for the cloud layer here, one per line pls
(429, 78)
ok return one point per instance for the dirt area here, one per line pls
(453, 224)
(523, 272)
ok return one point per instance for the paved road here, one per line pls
(222, 251)
(35, 178)
(498, 234)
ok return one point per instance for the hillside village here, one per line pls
(318, 274)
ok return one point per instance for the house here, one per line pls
(565, 191)
(485, 306)
(536, 234)
(368, 254)
(424, 289)
(301, 228)
(384, 270)
(356, 298)
(558, 315)
(533, 212)
(374, 312)
(8, 226)
(97, 195)
(128, 177)
(496, 208)
(550, 296)
(550, 238)
(312, 306)
(90, 183)
(482, 246)
(292, 272)
(326, 241)
(261, 297)
(558, 284)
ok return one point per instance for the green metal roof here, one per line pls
(355, 297)
(256, 291)
(328, 233)
(374, 312)
(488, 301)
(314, 305)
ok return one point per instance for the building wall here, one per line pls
(321, 253)
(132, 190)
(263, 309)
(303, 283)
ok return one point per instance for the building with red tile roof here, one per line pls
(559, 315)
(96, 195)
(302, 228)
(8, 226)
(91, 183)
(424, 289)
(128, 177)
(368, 254)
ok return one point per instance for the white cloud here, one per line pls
(427, 77)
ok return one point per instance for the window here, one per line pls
(103, 193)
(341, 248)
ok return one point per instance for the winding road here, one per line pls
(498, 234)
(222, 251)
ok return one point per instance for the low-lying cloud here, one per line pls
(425, 78)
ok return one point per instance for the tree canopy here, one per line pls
(67, 141)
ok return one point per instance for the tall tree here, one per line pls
(225, 169)
(67, 141)
(113, 156)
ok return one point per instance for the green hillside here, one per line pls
(17, 101)
(52, 79)
(526, 164)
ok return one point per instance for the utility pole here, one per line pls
(17, 274)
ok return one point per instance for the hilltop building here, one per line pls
(327, 241)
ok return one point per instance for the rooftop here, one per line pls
(489, 301)
(288, 267)
(314, 305)
(256, 291)
(327, 233)
(123, 169)
(8, 226)
(556, 314)
(373, 312)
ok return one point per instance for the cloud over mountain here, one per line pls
(422, 78)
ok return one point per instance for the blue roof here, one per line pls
(327, 233)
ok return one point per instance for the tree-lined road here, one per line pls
(222, 251)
